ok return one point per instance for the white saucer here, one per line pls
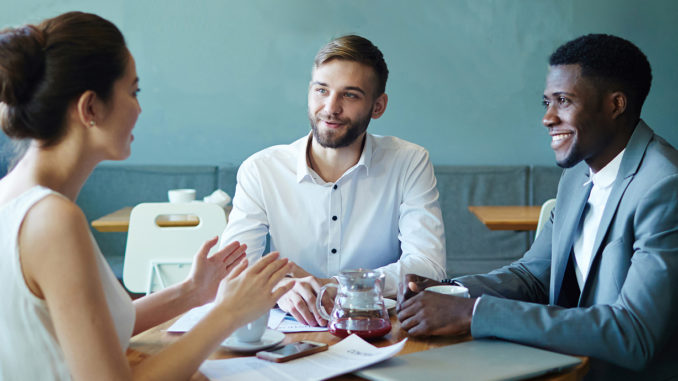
(270, 338)
(389, 304)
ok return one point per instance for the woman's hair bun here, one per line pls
(45, 67)
(22, 63)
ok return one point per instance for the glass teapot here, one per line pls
(359, 305)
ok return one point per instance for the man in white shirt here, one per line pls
(600, 279)
(340, 198)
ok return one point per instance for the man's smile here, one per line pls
(559, 139)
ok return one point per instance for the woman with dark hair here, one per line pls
(69, 86)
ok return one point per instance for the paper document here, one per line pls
(346, 356)
(190, 318)
(277, 319)
(289, 323)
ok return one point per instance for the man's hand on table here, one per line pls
(413, 285)
(426, 313)
(300, 300)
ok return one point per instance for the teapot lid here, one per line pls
(361, 279)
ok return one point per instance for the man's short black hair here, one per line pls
(615, 60)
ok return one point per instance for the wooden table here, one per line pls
(153, 340)
(507, 217)
(118, 221)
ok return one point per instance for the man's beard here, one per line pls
(333, 139)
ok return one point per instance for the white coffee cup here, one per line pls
(181, 195)
(252, 331)
(449, 289)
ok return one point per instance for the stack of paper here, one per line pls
(346, 356)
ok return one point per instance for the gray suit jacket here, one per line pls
(627, 315)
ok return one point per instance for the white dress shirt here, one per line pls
(593, 213)
(381, 213)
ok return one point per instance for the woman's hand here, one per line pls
(207, 272)
(248, 292)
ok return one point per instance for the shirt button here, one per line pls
(334, 218)
(334, 251)
(335, 186)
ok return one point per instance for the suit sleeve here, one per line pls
(628, 332)
(526, 279)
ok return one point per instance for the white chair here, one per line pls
(544, 214)
(156, 256)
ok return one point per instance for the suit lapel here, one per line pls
(635, 150)
(568, 226)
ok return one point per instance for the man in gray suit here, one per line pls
(601, 280)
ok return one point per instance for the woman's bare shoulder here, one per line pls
(54, 237)
(53, 214)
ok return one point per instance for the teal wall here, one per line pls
(223, 79)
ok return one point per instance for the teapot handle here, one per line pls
(318, 301)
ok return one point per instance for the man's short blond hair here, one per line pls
(358, 49)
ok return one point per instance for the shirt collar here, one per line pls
(366, 156)
(606, 176)
(304, 172)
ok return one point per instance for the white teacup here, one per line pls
(181, 195)
(252, 331)
(449, 289)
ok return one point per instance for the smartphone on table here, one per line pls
(292, 351)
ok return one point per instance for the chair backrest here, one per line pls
(544, 214)
(157, 256)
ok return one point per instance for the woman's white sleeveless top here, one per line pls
(29, 349)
